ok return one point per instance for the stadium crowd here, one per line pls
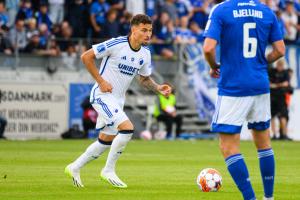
(53, 27)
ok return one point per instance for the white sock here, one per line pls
(270, 198)
(117, 147)
(91, 153)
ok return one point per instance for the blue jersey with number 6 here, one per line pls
(243, 29)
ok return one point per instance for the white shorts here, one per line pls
(232, 112)
(110, 114)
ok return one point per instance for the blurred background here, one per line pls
(44, 86)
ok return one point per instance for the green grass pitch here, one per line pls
(156, 170)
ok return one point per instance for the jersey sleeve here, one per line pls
(214, 24)
(146, 69)
(275, 33)
(106, 48)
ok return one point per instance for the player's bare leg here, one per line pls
(266, 161)
(108, 173)
(91, 153)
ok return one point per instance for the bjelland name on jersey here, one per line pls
(128, 70)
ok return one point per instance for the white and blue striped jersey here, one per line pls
(119, 65)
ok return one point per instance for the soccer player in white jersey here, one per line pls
(123, 58)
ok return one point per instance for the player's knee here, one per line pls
(105, 137)
(127, 125)
(228, 150)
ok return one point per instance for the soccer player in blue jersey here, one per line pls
(243, 28)
(123, 59)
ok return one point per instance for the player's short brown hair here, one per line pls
(140, 19)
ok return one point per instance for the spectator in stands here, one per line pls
(5, 44)
(44, 34)
(52, 46)
(3, 124)
(201, 11)
(34, 45)
(117, 4)
(97, 16)
(135, 7)
(12, 7)
(56, 11)
(153, 8)
(170, 8)
(290, 19)
(280, 22)
(3, 15)
(111, 27)
(69, 57)
(43, 17)
(25, 12)
(163, 36)
(17, 35)
(279, 84)
(125, 23)
(78, 17)
(272, 4)
(197, 31)
(30, 28)
(65, 36)
(165, 111)
(183, 34)
(184, 8)
(56, 30)
(36, 4)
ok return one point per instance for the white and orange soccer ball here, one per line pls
(209, 180)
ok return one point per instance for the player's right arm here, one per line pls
(88, 59)
(212, 37)
(209, 49)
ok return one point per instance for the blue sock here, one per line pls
(239, 172)
(267, 170)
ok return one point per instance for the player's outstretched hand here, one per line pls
(105, 87)
(165, 89)
(215, 73)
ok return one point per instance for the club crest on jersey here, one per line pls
(141, 61)
(101, 48)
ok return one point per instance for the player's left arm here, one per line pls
(150, 84)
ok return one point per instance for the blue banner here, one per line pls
(78, 92)
(200, 81)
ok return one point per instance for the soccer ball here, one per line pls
(209, 180)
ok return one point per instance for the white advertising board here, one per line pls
(34, 111)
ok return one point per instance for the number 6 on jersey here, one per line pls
(250, 43)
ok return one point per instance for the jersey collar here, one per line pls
(135, 50)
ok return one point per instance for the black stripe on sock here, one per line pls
(126, 131)
(104, 142)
